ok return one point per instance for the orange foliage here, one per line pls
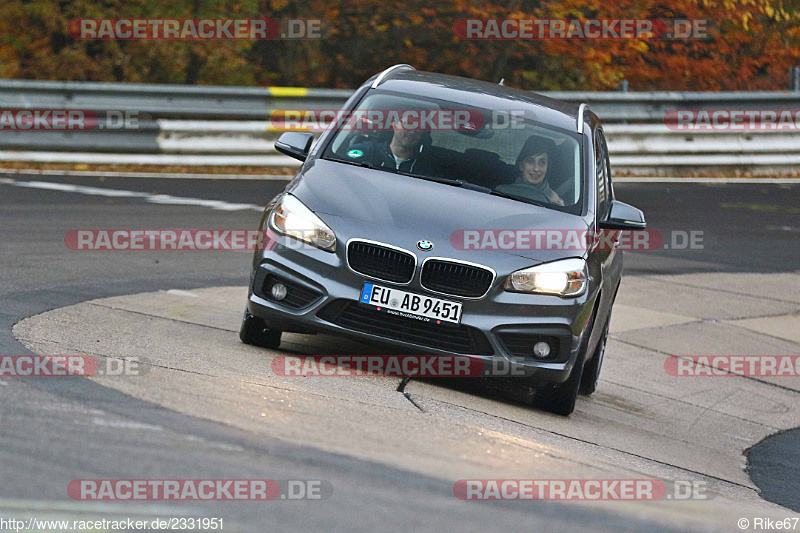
(751, 45)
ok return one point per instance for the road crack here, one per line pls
(402, 389)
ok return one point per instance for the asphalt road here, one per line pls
(54, 430)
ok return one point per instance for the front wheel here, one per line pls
(254, 331)
(560, 398)
(591, 370)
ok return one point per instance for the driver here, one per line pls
(532, 165)
(404, 152)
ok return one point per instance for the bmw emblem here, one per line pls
(425, 246)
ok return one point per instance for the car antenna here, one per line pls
(501, 81)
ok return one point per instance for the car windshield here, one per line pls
(501, 153)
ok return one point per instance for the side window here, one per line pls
(608, 169)
(601, 170)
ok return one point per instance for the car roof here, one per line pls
(480, 94)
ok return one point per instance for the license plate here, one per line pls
(417, 306)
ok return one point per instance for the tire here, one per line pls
(560, 399)
(591, 370)
(254, 331)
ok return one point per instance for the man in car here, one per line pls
(532, 166)
(405, 151)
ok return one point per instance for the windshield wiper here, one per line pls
(495, 192)
(446, 181)
(365, 164)
(470, 186)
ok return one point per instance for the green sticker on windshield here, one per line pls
(355, 153)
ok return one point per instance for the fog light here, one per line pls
(541, 350)
(278, 292)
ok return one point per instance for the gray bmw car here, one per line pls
(449, 216)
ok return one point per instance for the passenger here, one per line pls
(532, 166)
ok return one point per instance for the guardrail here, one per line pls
(230, 125)
(655, 149)
(232, 103)
(167, 101)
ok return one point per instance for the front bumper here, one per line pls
(323, 297)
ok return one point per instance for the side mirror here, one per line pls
(623, 216)
(295, 144)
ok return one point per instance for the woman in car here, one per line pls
(532, 165)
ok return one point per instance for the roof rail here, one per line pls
(385, 74)
(581, 109)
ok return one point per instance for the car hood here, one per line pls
(388, 207)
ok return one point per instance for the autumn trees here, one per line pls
(751, 44)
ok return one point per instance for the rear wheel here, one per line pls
(254, 331)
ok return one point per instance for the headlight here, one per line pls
(567, 277)
(293, 219)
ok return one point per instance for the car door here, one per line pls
(605, 252)
(613, 264)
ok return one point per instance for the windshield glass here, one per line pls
(502, 153)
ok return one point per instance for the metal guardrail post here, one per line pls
(794, 76)
(623, 88)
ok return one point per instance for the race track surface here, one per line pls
(209, 407)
